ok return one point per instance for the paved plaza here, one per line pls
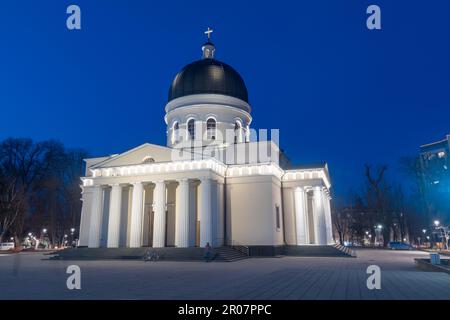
(31, 276)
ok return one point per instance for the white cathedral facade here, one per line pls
(213, 182)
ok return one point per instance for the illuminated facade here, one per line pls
(435, 172)
(213, 182)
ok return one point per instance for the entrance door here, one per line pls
(150, 229)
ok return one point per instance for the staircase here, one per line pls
(346, 250)
(317, 251)
(166, 254)
(229, 254)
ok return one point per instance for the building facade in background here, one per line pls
(435, 171)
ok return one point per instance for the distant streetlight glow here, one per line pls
(424, 231)
(44, 230)
(437, 223)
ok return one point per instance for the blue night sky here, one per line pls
(337, 91)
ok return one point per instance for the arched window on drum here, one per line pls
(211, 129)
(175, 133)
(191, 129)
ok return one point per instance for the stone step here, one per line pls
(169, 254)
(315, 251)
(229, 254)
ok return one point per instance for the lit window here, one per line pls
(175, 133)
(191, 129)
(211, 129)
(148, 159)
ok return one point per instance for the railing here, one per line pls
(239, 247)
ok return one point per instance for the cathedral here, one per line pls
(213, 183)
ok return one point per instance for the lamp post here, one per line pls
(378, 229)
(424, 231)
(72, 233)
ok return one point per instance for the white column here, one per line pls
(220, 214)
(319, 217)
(301, 216)
(205, 212)
(328, 220)
(182, 214)
(96, 217)
(85, 217)
(159, 224)
(115, 204)
(136, 215)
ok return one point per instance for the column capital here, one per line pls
(116, 185)
(183, 181)
(317, 190)
(140, 183)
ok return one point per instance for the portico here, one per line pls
(162, 223)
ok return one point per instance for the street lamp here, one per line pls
(378, 229)
(437, 223)
(424, 231)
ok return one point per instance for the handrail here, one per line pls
(239, 247)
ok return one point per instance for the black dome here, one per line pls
(208, 76)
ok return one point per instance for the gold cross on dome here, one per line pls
(208, 33)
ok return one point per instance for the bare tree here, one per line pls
(38, 184)
(377, 199)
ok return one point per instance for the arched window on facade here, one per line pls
(211, 129)
(191, 129)
(175, 133)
